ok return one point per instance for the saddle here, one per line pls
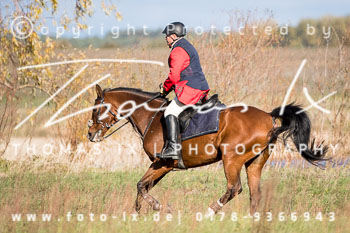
(186, 116)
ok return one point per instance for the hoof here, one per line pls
(210, 213)
(167, 209)
(157, 207)
(136, 210)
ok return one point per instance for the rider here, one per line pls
(188, 81)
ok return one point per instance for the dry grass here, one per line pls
(289, 190)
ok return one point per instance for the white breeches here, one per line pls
(173, 109)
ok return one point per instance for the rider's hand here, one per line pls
(162, 91)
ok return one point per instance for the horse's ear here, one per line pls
(98, 91)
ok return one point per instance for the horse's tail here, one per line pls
(297, 126)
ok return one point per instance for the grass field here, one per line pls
(316, 196)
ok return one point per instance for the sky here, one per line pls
(155, 14)
(194, 13)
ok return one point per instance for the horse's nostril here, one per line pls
(89, 135)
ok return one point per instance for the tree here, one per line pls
(20, 45)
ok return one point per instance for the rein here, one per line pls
(105, 124)
(116, 129)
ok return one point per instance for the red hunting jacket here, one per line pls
(186, 73)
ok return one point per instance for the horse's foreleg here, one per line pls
(234, 187)
(154, 174)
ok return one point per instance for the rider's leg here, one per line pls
(174, 108)
(173, 144)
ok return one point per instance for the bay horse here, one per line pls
(253, 129)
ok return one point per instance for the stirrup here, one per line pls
(174, 157)
(180, 162)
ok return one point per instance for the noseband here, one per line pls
(105, 124)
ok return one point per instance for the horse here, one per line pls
(254, 129)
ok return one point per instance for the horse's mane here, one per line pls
(132, 90)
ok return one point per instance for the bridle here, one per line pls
(105, 124)
(108, 126)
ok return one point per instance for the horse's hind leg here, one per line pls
(154, 174)
(232, 172)
(253, 169)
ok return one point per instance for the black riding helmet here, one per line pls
(176, 28)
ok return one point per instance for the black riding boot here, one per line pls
(173, 144)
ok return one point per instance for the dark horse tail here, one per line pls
(296, 126)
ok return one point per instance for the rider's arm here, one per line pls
(179, 60)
